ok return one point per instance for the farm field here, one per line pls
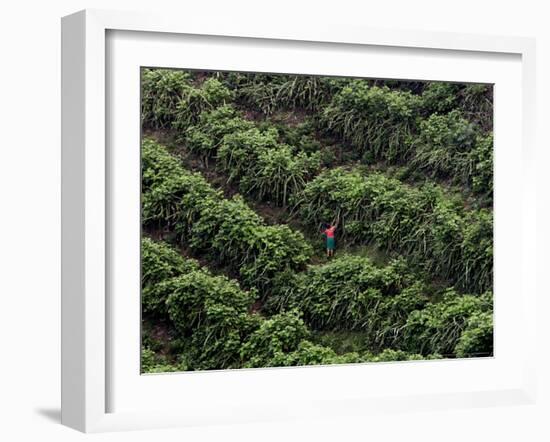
(299, 220)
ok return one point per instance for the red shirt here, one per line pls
(330, 232)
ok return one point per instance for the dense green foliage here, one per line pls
(421, 223)
(392, 125)
(170, 98)
(443, 144)
(159, 263)
(278, 173)
(480, 166)
(394, 122)
(239, 150)
(151, 362)
(376, 120)
(271, 343)
(456, 321)
(265, 168)
(477, 337)
(209, 95)
(449, 146)
(231, 233)
(249, 169)
(161, 92)
(210, 313)
(215, 328)
(226, 229)
(269, 93)
(205, 137)
(351, 293)
(474, 101)
(439, 98)
(171, 194)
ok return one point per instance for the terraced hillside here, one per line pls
(241, 171)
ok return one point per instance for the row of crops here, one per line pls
(444, 132)
(423, 223)
(227, 231)
(215, 328)
(403, 167)
(211, 314)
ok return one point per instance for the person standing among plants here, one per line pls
(329, 238)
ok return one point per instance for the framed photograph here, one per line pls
(272, 223)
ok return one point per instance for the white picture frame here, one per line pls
(90, 345)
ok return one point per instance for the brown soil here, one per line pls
(290, 118)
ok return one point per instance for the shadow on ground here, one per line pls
(51, 414)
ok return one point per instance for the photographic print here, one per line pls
(292, 220)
